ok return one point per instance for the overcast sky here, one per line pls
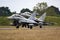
(17, 5)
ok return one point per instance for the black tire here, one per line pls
(22, 25)
(17, 26)
(30, 27)
(40, 26)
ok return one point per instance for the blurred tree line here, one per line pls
(43, 7)
(39, 8)
(26, 10)
(5, 11)
(52, 11)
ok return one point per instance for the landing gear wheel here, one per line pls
(22, 25)
(30, 27)
(40, 26)
(17, 26)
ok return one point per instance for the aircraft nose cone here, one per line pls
(9, 17)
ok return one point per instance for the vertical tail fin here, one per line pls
(32, 17)
(42, 18)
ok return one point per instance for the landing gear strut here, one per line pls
(30, 26)
(16, 23)
(23, 25)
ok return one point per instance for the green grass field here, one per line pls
(45, 33)
(53, 19)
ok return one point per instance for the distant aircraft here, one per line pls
(26, 14)
(41, 20)
(29, 22)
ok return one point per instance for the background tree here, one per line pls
(26, 10)
(52, 11)
(5, 11)
(40, 7)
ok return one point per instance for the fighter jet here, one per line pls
(41, 20)
(29, 22)
(20, 19)
(26, 14)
